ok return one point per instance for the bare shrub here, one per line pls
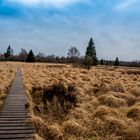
(87, 62)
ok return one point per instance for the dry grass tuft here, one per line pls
(133, 71)
(103, 111)
(37, 137)
(115, 126)
(130, 99)
(112, 101)
(135, 91)
(103, 89)
(55, 132)
(71, 127)
(97, 126)
(134, 113)
(118, 87)
(132, 133)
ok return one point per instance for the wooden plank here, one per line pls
(13, 136)
(13, 113)
(16, 124)
(13, 116)
(24, 131)
(12, 119)
(25, 127)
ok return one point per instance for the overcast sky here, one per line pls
(53, 26)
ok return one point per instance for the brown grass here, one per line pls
(133, 71)
(135, 91)
(107, 103)
(7, 72)
(112, 101)
(134, 113)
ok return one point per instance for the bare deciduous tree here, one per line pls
(23, 54)
(73, 54)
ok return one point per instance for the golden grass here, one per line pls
(7, 72)
(112, 101)
(134, 113)
(107, 108)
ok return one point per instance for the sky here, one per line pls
(53, 26)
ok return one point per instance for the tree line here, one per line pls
(22, 56)
(73, 57)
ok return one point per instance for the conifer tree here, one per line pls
(8, 53)
(91, 52)
(101, 62)
(117, 63)
(30, 57)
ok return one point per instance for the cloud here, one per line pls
(55, 3)
(125, 4)
(52, 30)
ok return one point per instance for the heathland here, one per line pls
(68, 103)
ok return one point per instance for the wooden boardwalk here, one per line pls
(13, 117)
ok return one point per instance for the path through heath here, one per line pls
(13, 117)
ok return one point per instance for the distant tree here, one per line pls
(9, 52)
(102, 62)
(117, 63)
(41, 55)
(23, 54)
(110, 63)
(57, 58)
(91, 51)
(2, 57)
(73, 54)
(30, 57)
(88, 62)
(51, 58)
